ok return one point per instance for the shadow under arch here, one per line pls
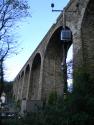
(34, 78)
(22, 83)
(22, 74)
(52, 73)
(87, 34)
(18, 86)
(26, 81)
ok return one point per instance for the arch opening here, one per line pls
(69, 61)
(21, 84)
(34, 78)
(26, 82)
(18, 86)
(53, 76)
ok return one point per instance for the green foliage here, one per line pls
(76, 109)
(52, 98)
(80, 103)
(11, 121)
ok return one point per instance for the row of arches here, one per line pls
(27, 81)
(52, 77)
(48, 66)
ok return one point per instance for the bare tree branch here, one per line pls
(70, 69)
(10, 12)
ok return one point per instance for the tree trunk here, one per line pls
(1, 77)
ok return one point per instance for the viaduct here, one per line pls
(42, 73)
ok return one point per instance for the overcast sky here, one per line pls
(30, 33)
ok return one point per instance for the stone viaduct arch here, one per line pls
(26, 82)
(34, 78)
(52, 73)
(43, 73)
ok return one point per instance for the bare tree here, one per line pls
(70, 69)
(70, 75)
(10, 12)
